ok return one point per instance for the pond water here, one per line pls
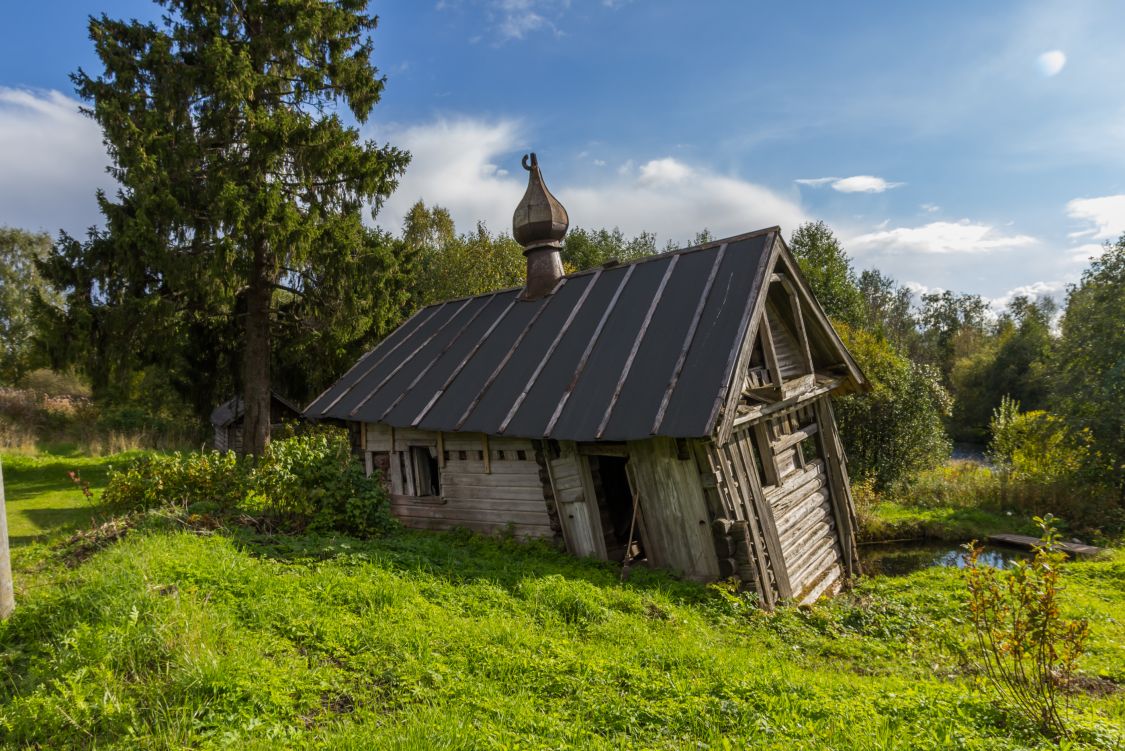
(899, 559)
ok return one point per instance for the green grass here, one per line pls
(175, 637)
(42, 499)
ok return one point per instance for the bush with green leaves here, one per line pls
(217, 480)
(311, 480)
(1026, 649)
(307, 481)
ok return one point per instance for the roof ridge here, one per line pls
(709, 245)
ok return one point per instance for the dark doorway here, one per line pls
(615, 502)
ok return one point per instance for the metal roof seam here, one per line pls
(379, 362)
(505, 360)
(438, 356)
(589, 348)
(688, 339)
(409, 357)
(550, 351)
(636, 346)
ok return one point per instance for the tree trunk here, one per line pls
(256, 358)
(7, 595)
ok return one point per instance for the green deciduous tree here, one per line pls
(449, 265)
(828, 271)
(887, 309)
(242, 187)
(21, 285)
(585, 249)
(1090, 362)
(896, 430)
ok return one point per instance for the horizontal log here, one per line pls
(828, 584)
(496, 494)
(499, 467)
(523, 531)
(460, 514)
(452, 478)
(450, 505)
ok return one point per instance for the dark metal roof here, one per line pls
(621, 352)
(233, 409)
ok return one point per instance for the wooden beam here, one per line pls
(843, 508)
(765, 454)
(798, 321)
(726, 403)
(441, 450)
(767, 524)
(7, 593)
(767, 349)
(487, 453)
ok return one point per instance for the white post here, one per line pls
(7, 595)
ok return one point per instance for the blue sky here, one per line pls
(971, 146)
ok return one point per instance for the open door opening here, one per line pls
(615, 504)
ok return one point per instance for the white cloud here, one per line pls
(940, 237)
(1081, 254)
(452, 167)
(854, 184)
(1107, 213)
(930, 208)
(599, 162)
(816, 182)
(1051, 62)
(1034, 291)
(51, 162)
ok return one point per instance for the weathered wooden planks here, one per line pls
(1027, 542)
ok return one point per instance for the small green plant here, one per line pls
(1027, 650)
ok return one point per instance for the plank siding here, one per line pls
(491, 493)
(676, 524)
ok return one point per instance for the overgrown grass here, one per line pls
(173, 638)
(962, 500)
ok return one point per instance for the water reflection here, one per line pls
(898, 559)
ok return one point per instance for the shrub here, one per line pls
(221, 480)
(1027, 650)
(308, 481)
(312, 480)
(1046, 466)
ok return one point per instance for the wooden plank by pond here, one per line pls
(1027, 542)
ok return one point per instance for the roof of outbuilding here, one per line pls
(616, 353)
(621, 352)
(233, 409)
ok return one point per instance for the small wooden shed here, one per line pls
(674, 409)
(227, 418)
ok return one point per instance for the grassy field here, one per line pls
(174, 636)
(42, 499)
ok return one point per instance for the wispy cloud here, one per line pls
(853, 184)
(1051, 63)
(930, 208)
(940, 237)
(454, 166)
(1105, 213)
(51, 162)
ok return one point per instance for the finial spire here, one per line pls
(539, 224)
